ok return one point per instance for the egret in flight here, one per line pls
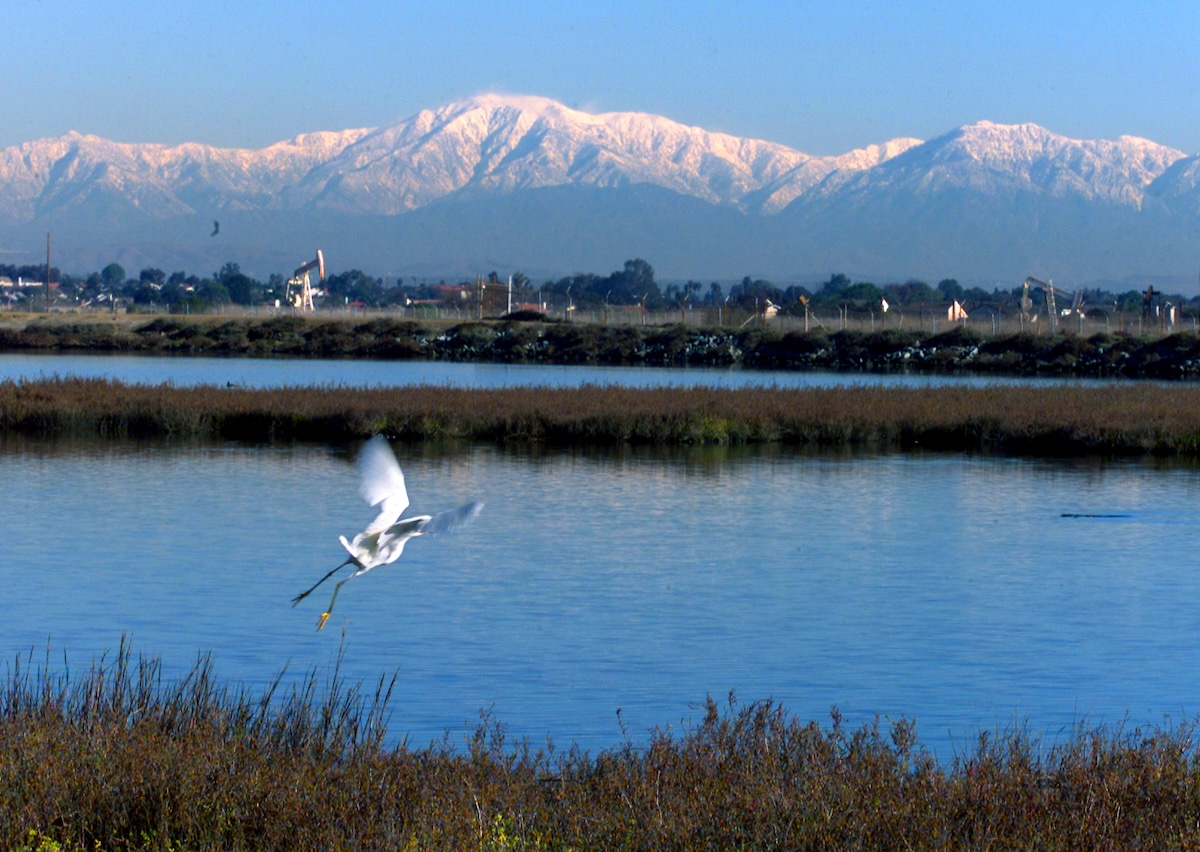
(382, 542)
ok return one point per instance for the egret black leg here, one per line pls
(310, 589)
(329, 609)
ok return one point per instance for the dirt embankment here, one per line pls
(1171, 357)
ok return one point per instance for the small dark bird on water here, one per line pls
(216, 227)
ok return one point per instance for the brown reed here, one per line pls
(1102, 419)
(123, 758)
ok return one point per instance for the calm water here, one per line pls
(278, 372)
(946, 588)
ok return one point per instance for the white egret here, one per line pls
(382, 542)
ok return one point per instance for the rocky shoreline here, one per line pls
(1175, 356)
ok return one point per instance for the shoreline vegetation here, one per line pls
(122, 757)
(1104, 420)
(959, 349)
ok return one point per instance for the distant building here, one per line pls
(450, 292)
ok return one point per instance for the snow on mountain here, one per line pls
(1179, 186)
(497, 144)
(808, 174)
(1013, 200)
(526, 181)
(998, 160)
(488, 144)
(161, 181)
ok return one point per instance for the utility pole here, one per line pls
(47, 272)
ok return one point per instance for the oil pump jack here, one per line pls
(299, 292)
(1050, 292)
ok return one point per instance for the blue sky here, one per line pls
(821, 77)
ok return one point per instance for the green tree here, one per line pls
(153, 276)
(753, 294)
(276, 287)
(113, 275)
(212, 293)
(355, 286)
(911, 292)
(172, 294)
(862, 291)
(834, 286)
(950, 289)
(634, 282)
(242, 289)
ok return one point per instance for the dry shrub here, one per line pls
(125, 759)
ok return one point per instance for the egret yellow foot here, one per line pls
(321, 623)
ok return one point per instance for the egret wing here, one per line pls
(450, 519)
(382, 483)
(393, 539)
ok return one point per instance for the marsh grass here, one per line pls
(122, 758)
(1103, 419)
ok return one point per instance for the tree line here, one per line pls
(181, 290)
(633, 284)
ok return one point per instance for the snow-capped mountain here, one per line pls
(490, 143)
(998, 159)
(1012, 200)
(526, 182)
(495, 144)
(1179, 186)
(50, 175)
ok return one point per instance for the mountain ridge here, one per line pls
(800, 211)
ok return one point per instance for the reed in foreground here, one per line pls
(1098, 419)
(124, 759)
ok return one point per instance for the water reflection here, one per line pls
(184, 370)
(949, 588)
